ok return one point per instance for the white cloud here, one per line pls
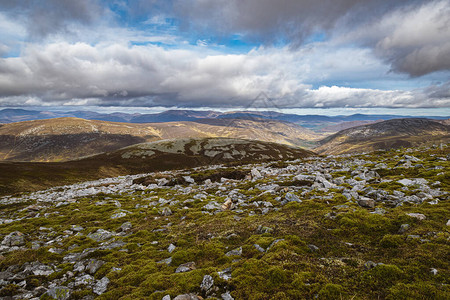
(118, 74)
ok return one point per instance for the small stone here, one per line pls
(433, 271)
(101, 286)
(366, 202)
(166, 212)
(369, 265)
(406, 182)
(255, 174)
(126, 226)
(59, 293)
(234, 252)
(94, 265)
(84, 280)
(227, 296)
(292, 198)
(227, 205)
(207, 283)
(448, 222)
(188, 179)
(259, 248)
(313, 248)
(225, 274)
(171, 248)
(417, 216)
(166, 261)
(77, 228)
(118, 215)
(100, 235)
(187, 297)
(403, 228)
(189, 266)
(166, 297)
(263, 229)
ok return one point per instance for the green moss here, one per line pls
(391, 241)
(418, 290)
(331, 291)
(9, 290)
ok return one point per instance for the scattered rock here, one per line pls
(101, 286)
(187, 297)
(259, 248)
(234, 252)
(93, 266)
(100, 235)
(126, 226)
(186, 267)
(403, 228)
(227, 205)
(313, 248)
(59, 293)
(370, 265)
(15, 238)
(207, 283)
(417, 216)
(171, 248)
(166, 212)
(227, 296)
(289, 197)
(366, 202)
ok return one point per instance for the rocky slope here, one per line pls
(372, 226)
(140, 158)
(65, 139)
(385, 135)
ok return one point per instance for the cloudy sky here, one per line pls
(224, 53)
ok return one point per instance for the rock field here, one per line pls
(374, 225)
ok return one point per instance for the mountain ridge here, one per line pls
(385, 135)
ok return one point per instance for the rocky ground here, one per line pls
(369, 226)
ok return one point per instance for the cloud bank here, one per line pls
(304, 53)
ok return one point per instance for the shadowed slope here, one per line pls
(18, 177)
(385, 135)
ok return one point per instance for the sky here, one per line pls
(353, 55)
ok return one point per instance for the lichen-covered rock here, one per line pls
(59, 293)
(100, 235)
(207, 283)
(186, 267)
(234, 252)
(15, 238)
(101, 286)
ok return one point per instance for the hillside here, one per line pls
(141, 158)
(63, 139)
(371, 226)
(385, 135)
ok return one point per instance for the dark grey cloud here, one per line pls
(44, 17)
(414, 39)
(271, 21)
(411, 35)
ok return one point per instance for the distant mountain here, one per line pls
(174, 116)
(142, 158)
(313, 122)
(389, 134)
(63, 139)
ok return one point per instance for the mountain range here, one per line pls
(314, 122)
